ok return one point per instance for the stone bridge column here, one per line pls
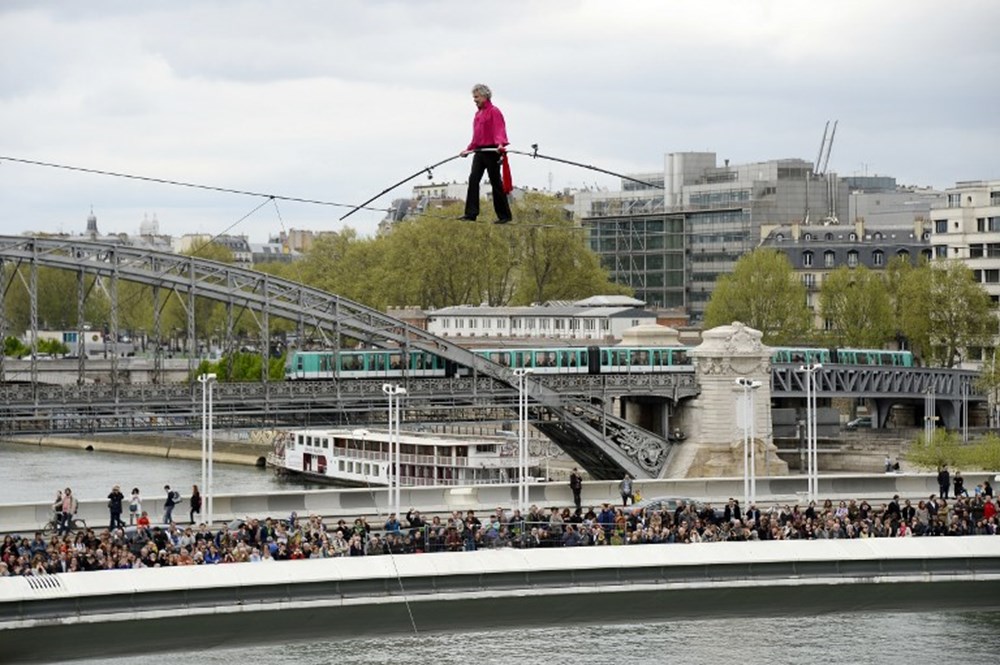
(714, 445)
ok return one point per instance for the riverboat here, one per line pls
(361, 458)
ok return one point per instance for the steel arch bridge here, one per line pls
(606, 446)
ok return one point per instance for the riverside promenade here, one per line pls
(106, 613)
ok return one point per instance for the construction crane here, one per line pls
(819, 172)
(825, 146)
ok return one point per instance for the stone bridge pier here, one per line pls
(715, 430)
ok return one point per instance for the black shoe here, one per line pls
(503, 220)
(466, 218)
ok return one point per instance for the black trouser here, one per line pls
(488, 161)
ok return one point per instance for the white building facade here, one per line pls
(599, 319)
(967, 228)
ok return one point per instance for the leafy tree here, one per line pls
(435, 262)
(856, 303)
(556, 263)
(57, 292)
(763, 293)
(52, 347)
(15, 348)
(947, 448)
(944, 312)
(242, 368)
(209, 315)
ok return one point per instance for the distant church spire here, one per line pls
(92, 224)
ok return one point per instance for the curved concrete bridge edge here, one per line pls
(143, 611)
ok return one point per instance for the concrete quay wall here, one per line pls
(170, 447)
(108, 613)
(351, 503)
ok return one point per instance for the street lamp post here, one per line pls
(749, 449)
(207, 434)
(812, 457)
(394, 393)
(930, 415)
(522, 437)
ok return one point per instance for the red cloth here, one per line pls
(508, 181)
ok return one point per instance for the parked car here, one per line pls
(860, 423)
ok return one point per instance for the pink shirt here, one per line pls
(488, 127)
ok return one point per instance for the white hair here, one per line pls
(483, 90)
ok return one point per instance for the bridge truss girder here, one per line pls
(329, 314)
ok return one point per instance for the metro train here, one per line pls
(379, 363)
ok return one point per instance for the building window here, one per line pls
(995, 198)
(807, 259)
(954, 200)
(852, 259)
(878, 258)
(852, 236)
(940, 251)
(807, 237)
(940, 226)
(992, 276)
(809, 280)
(829, 259)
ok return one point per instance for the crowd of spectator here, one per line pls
(143, 545)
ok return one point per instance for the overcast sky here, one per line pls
(338, 100)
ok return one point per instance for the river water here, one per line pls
(875, 639)
(31, 473)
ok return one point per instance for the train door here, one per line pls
(594, 359)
